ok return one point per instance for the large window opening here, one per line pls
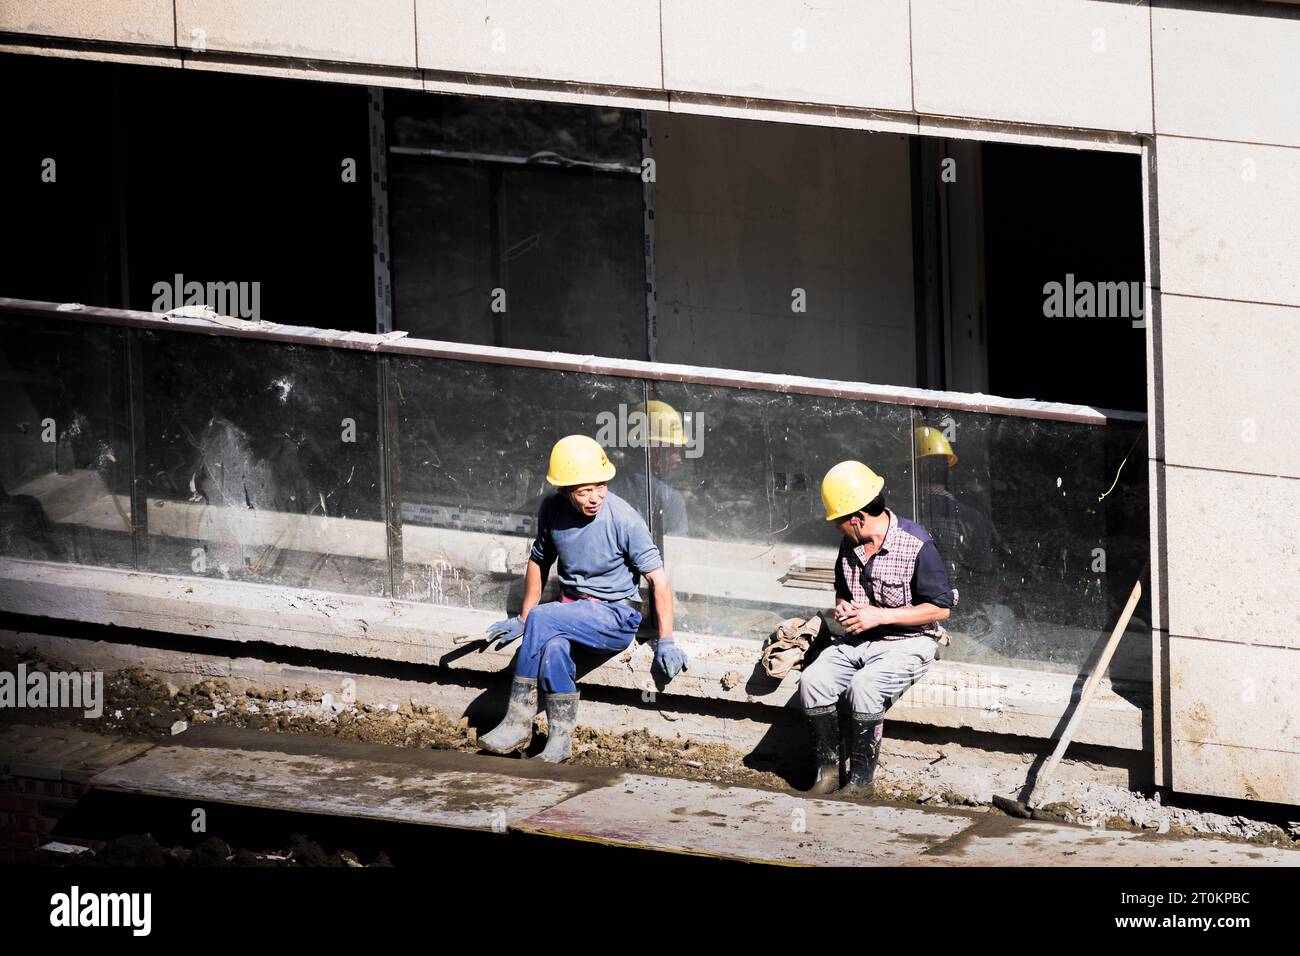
(874, 259)
(517, 224)
(769, 247)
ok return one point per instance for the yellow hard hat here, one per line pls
(665, 422)
(848, 487)
(931, 441)
(579, 460)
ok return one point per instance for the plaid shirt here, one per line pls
(906, 570)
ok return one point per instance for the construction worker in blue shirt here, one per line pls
(602, 547)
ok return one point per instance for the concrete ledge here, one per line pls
(956, 695)
(587, 93)
(103, 52)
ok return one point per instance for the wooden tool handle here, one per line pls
(1088, 688)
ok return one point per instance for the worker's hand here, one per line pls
(505, 631)
(842, 607)
(864, 618)
(669, 658)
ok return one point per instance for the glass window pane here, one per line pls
(65, 465)
(474, 445)
(1042, 566)
(756, 547)
(565, 249)
(262, 462)
(513, 129)
(518, 224)
(443, 250)
(573, 264)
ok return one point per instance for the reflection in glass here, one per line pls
(474, 440)
(1042, 566)
(262, 462)
(518, 224)
(757, 548)
(64, 468)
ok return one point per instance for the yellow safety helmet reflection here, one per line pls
(931, 441)
(579, 460)
(848, 487)
(665, 423)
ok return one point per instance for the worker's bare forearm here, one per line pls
(662, 592)
(915, 614)
(532, 588)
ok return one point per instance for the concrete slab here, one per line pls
(380, 32)
(973, 696)
(586, 41)
(1225, 73)
(1229, 397)
(124, 21)
(1208, 511)
(344, 778)
(848, 54)
(57, 753)
(686, 816)
(1006, 841)
(1057, 62)
(1227, 225)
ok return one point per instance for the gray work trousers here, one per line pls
(873, 673)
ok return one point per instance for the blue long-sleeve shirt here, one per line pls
(604, 555)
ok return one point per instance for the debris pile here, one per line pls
(139, 704)
(141, 849)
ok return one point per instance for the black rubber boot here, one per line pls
(824, 732)
(561, 718)
(864, 754)
(516, 730)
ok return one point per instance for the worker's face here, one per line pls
(588, 498)
(669, 460)
(851, 527)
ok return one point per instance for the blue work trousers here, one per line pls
(552, 629)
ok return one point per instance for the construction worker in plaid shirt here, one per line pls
(891, 595)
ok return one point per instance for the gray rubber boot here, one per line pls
(516, 730)
(824, 732)
(561, 718)
(864, 754)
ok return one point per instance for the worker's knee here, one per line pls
(557, 669)
(539, 629)
(866, 696)
(556, 654)
(818, 687)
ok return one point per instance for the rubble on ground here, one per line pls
(139, 704)
(141, 849)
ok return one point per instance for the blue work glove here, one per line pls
(510, 629)
(670, 658)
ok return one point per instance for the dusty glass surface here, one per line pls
(262, 462)
(65, 458)
(474, 441)
(518, 224)
(1042, 565)
(514, 129)
(739, 504)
